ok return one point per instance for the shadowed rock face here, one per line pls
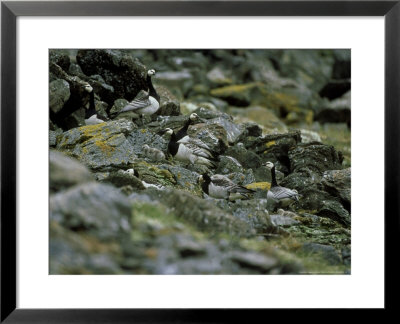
(125, 74)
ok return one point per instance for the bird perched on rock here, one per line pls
(145, 103)
(91, 117)
(188, 152)
(193, 118)
(220, 187)
(153, 153)
(283, 196)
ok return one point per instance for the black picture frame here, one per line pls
(10, 10)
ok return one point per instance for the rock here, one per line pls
(58, 94)
(121, 178)
(274, 148)
(72, 113)
(232, 130)
(66, 171)
(60, 57)
(308, 67)
(281, 220)
(153, 174)
(72, 253)
(237, 95)
(308, 136)
(334, 210)
(263, 116)
(228, 164)
(102, 89)
(255, 261)
(169, 104)
(95, 208)
(118, 105)
(118, 69)
(338, 184)
(208, 111)
(178, 82)
(214, 135)
(254, 212)
(335, 111)
(217, 77)
(326, 251)
(316, 157)
(53, 137)
(202, 214)
(100, 146)
(140, 137)
(185, 178)
(335, 88)
(246, 158)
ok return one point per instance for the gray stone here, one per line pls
(95, 208)
(100, 146)
(59, 94)
(66, 171)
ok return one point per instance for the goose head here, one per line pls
(203, 178)
(195, 118)
(269, 165)
(88, 87)
(151, 72)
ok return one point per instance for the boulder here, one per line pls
(66, 172)
(127, 75)
(94, 208)
(100, 146)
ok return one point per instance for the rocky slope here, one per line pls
(290, 107)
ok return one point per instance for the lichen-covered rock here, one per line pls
(246, 158)
(66, 171)
(95, 208)
(328, 252)
(203, 214)
(60, 57)
(118, 105)
(213, 135)
(118, 69)
(338, 184)
(185, 179)
(58, 95)
(154, 174)
(228, 164)
(254, 212)
(73, 253)
(72, 113)
(122, 178)
(316, 157)
(140, 137)
(99, 146)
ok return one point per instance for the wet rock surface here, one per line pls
(115, 209)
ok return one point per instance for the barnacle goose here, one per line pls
(91, 117)
(221, 187)
(145, 103)
(284, 196)
(188, 152)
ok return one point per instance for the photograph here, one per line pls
(199, 161)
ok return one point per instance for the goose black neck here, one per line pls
(152, 91)
(173, 146)
(273, 183)
(183, 131)
(205, 183)
(92, 107)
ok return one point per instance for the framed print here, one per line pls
(185, 154)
